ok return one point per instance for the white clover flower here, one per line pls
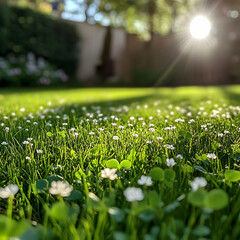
(109, 173)
(151, 129)
(133, 194)
(170, 162)
(9, 190)
(179, 156)
(179, 120)
(60, 188)
(191, 121)
(198, 182)
(159, 139)
(145, 180)
(4, 143)
(168, 146)
(75, 134)
(7, 129)
(211, 156)
(115, 137)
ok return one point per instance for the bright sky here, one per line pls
(71, 6)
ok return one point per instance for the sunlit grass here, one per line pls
(173, 153)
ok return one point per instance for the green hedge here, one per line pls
(23, 30)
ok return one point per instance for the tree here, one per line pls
(145, 16)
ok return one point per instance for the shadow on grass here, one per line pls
(231, 94)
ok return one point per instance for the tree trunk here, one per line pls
(151, 12)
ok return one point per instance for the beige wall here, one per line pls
(92, 39)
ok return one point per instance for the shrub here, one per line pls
(29, 71)
(23, 30)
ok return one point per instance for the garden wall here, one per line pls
(159, 62)
(92, 41)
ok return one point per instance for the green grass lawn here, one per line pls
(122, 164)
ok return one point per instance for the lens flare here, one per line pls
(200, 27)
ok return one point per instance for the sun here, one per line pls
(200, 27)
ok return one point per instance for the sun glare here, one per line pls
(200, 27)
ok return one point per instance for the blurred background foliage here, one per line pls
(142, 17)
(23, 31)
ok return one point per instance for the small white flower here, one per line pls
(7, 129)
(145, 180)
(60, 188)
(135, 135)
(133, 194)
(191, 121)
(4, 143)
(179, 156)
(91, 133)
(198, 182)
(179, 120)
(220, 134)
(9, 190)
(109, 173)
(115, 137)
(39, 151)
(170, 162)
(25, 142)
(151, 129)
(159, 139)
(211, 156)
(168, 146)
